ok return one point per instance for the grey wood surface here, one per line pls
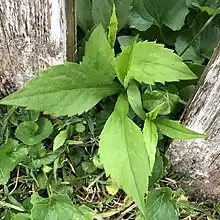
(198, 161)
(32, 37)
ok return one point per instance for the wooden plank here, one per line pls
(32, 37)
(71, 40)
(198, 161)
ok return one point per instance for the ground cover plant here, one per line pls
(88, 139)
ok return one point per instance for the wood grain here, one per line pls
(198, 161)
(32, 37)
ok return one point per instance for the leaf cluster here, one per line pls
(138, 87)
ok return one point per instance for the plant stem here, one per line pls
(200, 31)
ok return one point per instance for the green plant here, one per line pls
(126, 151)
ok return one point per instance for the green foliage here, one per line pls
(175, 130)
(80, 128)
(84, 14)
(210, 6)
(126, 40)
(59, 140)
(11, 153)
(157, 65)
(113, 27)
(187, 92)
(62, 162)
(56, 207)
(31, 133)
(159, 204)
(124, 61)
(90, 13)
(149, 12)
(165, 100)
(134, 98)
(71, 89)
(101, 11)
(204, 44)
(39, 156)
(158, 169)
(55, 89)
(100, 56)
(88, 167)
(21, 217)
(150, 139)
(123, 140)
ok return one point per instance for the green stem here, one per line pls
(200, 31)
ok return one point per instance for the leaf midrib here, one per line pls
(129, 157)
(60, 91)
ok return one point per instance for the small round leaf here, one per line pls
(31, 133)
(80, 127)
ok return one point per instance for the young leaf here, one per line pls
(172, 14)
(112, 188)
(102, 9)
(123, 153)
(31, 133)
(175, 130)
(57, 207)
(124, 61)
(159, 205)
(155, 98)
(10, 155)
(134, 98)
(154, 113)
(99, 55)
(158, 64)
(80, 127)
(67, 89)
(150, 139)
(59, 140)
(113, 28)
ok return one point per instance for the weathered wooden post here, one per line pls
(33, 35)
(198, 160)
